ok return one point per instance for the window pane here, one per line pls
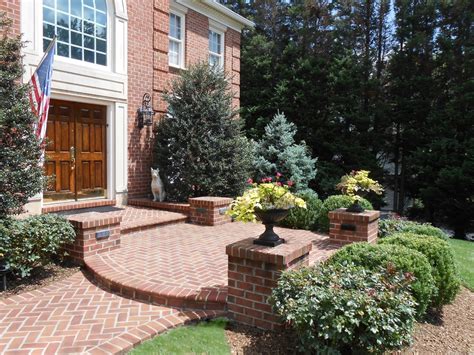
(175, 26)
(214, 59)
(101, 18)
(89, 42)
(63, 35)
(48, 15)
(101, 45)
(76, 24)
(76, 8)
(76, 53)
(174, 53)
(63, 50)
(48, 30)
(49, 3)
(63, 5)
(89, 56)
(46, 43)
(88, 2)
(101, 32)
(76, 38)
(89, 14)
(62, 19)
(101, 59)
(89, 28)
(101, 5)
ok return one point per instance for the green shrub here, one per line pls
(407, 260)
(33, 241)
(336, 308)
(438, 253)
(390, 226)
(301, 218)
(334, 202)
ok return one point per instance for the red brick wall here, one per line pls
(12, 10)
(149, 72)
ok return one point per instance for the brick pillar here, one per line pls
(254, 271)
(94, 234)
(347, 227)
(209, 211)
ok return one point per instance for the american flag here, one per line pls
(40, 89)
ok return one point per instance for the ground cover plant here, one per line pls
(33, 241)
(391, 225)
(439, 254)
(199, 146)
(371, 257)
(203, 338)
(340, 308)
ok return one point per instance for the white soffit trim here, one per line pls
(174, 6)
(218, 13)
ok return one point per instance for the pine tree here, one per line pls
(20, 151)
(199, 145)
(277, 152)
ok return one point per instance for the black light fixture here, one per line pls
(145, 113)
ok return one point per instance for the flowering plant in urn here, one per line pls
(268, 201)
(356, 185)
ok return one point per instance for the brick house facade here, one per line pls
(109, 54)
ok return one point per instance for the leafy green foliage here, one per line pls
(304, 218)
(20, 151)
(371, 257)
(33, 241)
(357, 184)
(333, 203)
(199, 147)
(341, 308)
(441, 259)
(277, 152)
(390, 226)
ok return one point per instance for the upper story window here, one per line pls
(80, 27)
(176, 41)
(216, 48)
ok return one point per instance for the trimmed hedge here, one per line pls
(33, 241)
(346, 309)
(439, 255)
(371, 257)
(301, 218)
(334, 202)
(391, 226)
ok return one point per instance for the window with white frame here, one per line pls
(216, 48)
(80, 27)
(176, 40)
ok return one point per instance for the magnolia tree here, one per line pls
(20, 151)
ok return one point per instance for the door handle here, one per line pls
(72, 157)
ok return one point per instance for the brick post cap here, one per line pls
(281, 255)
(209, 201)
(92, 220)
(366, 216)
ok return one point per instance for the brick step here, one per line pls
(140, 224)
(115, 279)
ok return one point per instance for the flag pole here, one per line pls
(53, 42)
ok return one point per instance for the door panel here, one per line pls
(76, 151)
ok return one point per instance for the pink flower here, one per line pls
(278, 183)
(290, 183)
(278, 175)
(249, 181)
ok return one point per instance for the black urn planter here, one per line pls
(270, 218)
(3, 265)
(355, 208)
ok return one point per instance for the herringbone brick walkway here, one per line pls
(76, 316)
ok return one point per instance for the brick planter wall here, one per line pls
(209, 211)
(253, 272)
(94, 234)
(347, 227)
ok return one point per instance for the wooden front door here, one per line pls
(76, 151)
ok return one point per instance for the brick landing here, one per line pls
(183, 265)
(133, 218)
(76, 316)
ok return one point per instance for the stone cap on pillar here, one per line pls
(283, 254)
(342, 214)
(209, 201)
(92, 220)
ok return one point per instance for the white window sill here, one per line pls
(177, 67)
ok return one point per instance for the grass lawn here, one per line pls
(464, 255)
(202, 338)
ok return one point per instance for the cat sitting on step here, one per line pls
(157, 187)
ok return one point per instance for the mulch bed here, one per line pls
(448, 332)
(40, 277)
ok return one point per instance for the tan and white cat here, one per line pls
(157, 187)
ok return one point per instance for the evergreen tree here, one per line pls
(199, 146)
(20, 151)
(277, 152)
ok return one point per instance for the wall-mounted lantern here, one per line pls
(145, 113)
